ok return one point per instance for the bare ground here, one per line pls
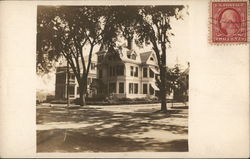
(112, 129)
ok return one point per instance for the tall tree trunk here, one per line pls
(82, 93)
(163, 77)
(82, 99)
(163, 89)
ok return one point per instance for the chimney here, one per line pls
(130, 43)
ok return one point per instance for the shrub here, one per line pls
(97, 98)
(49, 98)
(111, 100)
(125, 99)
(140, 99)
(59, 101)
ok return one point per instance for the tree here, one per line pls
(155, 28)
(126, 18)
(64, 31)
(172, 74)
(181, 84)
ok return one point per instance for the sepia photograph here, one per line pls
(109, 79)
(124, 79)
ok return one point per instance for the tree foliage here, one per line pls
(177, 81)
(63, 31)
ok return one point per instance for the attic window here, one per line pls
(151, 59)
(133, 56)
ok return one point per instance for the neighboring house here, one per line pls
(62, 80)
(125, 73)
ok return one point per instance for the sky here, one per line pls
(178, 53)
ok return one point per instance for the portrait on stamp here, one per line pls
(229, 22)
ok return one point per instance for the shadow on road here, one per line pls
(111, 131)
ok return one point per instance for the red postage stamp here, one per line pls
(229, 22)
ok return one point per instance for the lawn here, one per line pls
(123, 128)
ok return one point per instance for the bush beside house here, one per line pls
(118, 101)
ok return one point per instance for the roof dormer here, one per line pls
(131, 54)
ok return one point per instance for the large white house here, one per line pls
(127, 73)
(123, 73)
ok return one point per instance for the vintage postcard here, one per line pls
(124, 79)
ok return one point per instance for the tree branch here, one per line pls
(76, 60)
(71, 63)
(90, 58)
(83, 62)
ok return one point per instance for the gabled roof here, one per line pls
(129, 52)
(145, 56)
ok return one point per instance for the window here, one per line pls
(136, 71)
(116, 70)
(136, 88)
(120, 70)
(133, 88)
(131, 71)
(71, 90)
(145, 88)
(130, 88)
(100, 73)
(71, 77)
(151, 59)
(121, 87)
(133, 56)
(92, 66)
(112, 87)
(145, 72)
(151, 90)
(151, 73)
